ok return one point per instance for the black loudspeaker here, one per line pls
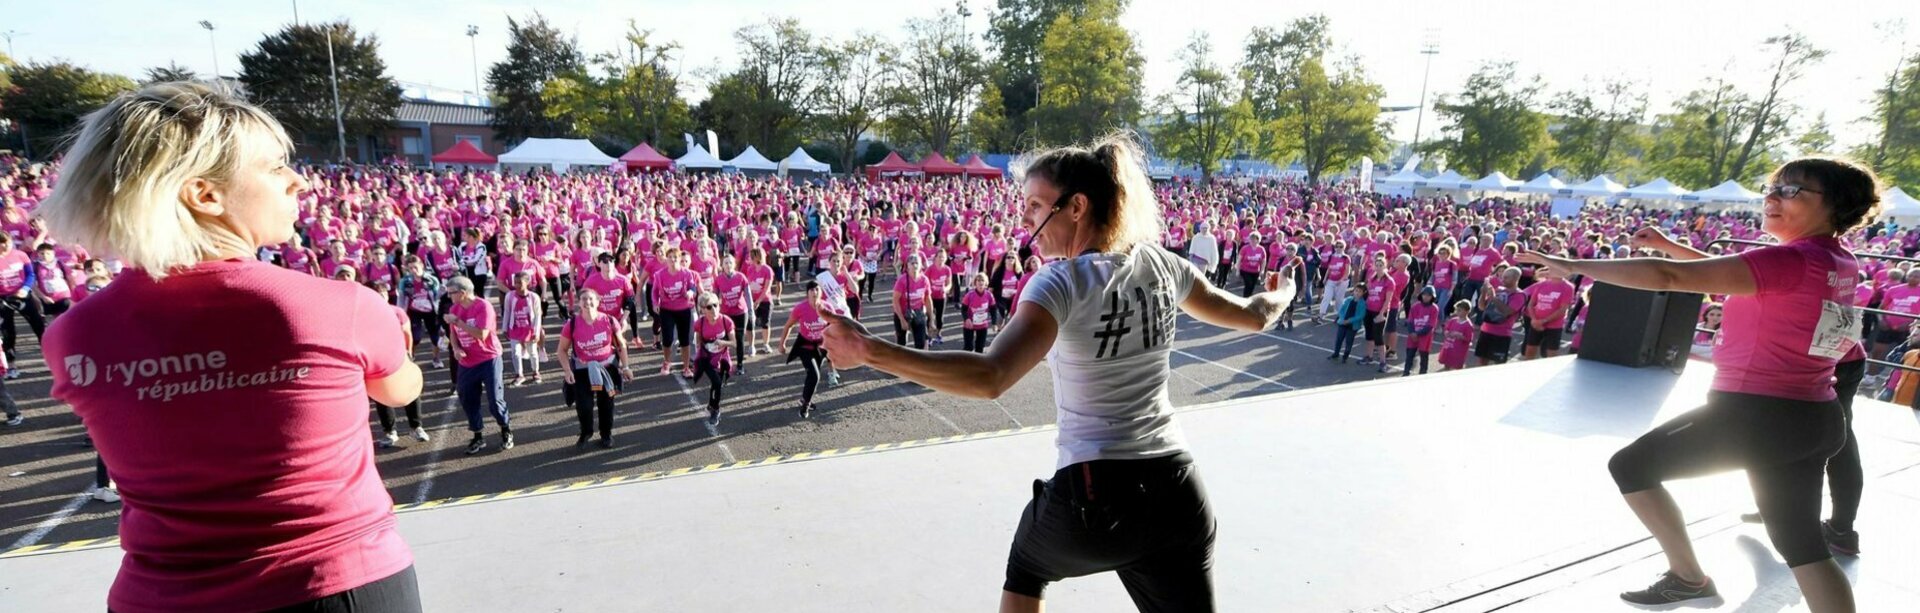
(1639, 328)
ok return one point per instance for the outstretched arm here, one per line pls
(1218, 307)
(1718, 275)
(1027, 338)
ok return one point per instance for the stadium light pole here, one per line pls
(474, 45)
(1430, 49)
(212, 46)
(333, 75)
(960, 8)
(10, 34)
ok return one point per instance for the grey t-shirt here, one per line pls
(1116, 314)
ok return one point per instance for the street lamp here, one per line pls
(1430, 49)
(960, 7)
(473, 32)
(333, 75)
(211, 45)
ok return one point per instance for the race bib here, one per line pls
(1838, 331)
(422, 304)
(980, 316)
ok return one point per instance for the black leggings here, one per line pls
(1845, 478)
(30, 307)
(915, 326)
(427, 326)
(741, 331)
(558, 286)
(1411, 354)
(399, 593)
(939, 313)
(585, 401)
(974, 340)
(811, 358)
(716, 382)
(1782, 444)
(386, 415)
(1150, 522)
(1247, 280)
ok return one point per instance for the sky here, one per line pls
(1668, 46)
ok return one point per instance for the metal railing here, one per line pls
(1867, 344)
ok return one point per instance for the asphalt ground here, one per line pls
(659, 421)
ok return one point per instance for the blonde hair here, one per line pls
(119, 190)
(1112, 174)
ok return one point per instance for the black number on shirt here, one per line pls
(1119, 310)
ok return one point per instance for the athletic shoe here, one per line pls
(506, 440)
(833, 379)
(13, 374)
(581, 445)
(1670, 589)
(1382, 369)
(438, 363)
(606, 443)
(713, 418)
(478, 443)
(666, 369)
(420, 434)
(15, 420)
(106, 494)
(1333, 357)
(1843, 543)
(1365, 360)
(805, 410)
(389, 440)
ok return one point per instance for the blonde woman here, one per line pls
(225, 509)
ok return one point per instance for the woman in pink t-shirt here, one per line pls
(1459, 337)
(808, 349)
(523, 310)
(589, 344)
(1422, 319)
(1773, 409)
(976, 312)
(224, 509)
(716, 336)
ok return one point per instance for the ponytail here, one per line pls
(1111, 174)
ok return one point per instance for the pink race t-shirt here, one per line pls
(733, 293)
(13, 271)
(479, 314)
(592, 340)
(1546, 297)
(675, 290)
(813, 327)
(612, 291)
(1768, 341)
(233, 413)
(978, 307)
(912, 292)
(1422, 319)
(1901, 298)
(760, 280)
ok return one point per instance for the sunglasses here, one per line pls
(709, 306)
(1786, 191)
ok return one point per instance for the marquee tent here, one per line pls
(1898, 205)
(1496, 182)
(643, 158)
(559, 154)
(1543, 184)
(977, 167)
(893, 166)
(1657, 189)
(1730, 191)
(751, 162)
(463, 152)
(937, 165)
(1404, 177)
(799, 161)
(1448, 180)
(1597, 187)
(697, 158)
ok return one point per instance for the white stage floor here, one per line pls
(1473, 491)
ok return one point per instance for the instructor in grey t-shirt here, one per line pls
(1125, 496)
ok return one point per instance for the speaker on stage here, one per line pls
(1639, 328)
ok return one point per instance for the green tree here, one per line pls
(1017, 30)
(932, 81)
(1695, 141)
(47, 101)
(1895, 116)
(1771, 112)
(635, 99)
(1491, 123)
(167, 73)
(851, 99)
(537, 53)
(287, 75)
(1090, 75)
(766, 99)
(1325, 119)
(1818, 137)
(988, 124)
(1599, 132)
(1206, 117)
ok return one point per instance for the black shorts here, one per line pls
(676, 327)
(1891, 335)
(1376, 331)
(1492, 346)
(761, 314)
(1149, 521)
(1549, 338)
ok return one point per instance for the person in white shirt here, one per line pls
(1204, 251)
(1125, 496)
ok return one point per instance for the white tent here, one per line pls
(1597, 187)
(750, 161)
(1496, 182)
(1404, 177)
(1898, 205)
(1729, 192)
(697, 158)
(1448, 180)
(799, 161)
(559, 154)
(1543, 184)
(1657, 189)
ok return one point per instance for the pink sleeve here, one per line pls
(1775, 269)
(376, 335)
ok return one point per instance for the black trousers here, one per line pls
(586, 401)
(1845, 478)
(974, 340)
(1147, 520)
(386, 415)
(28, 307)
(716, 382)
(558, 286)
(399, 593)
(740, 330)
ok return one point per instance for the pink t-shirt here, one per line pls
(1422, 316)
(612, 291)
(479, 314)
(912, 292)
(813, 327)
(234, 416)
(520, 316)
(1545, 297)
(1516, 300)
(939, 277)
(1901, 298)
(733, 293)
(710, 330)
(592, 340)
(760, 281)
(1380, 289)
(1337, 268)
(675, 290)
(1459, 336)
(978, 307)
(1765, 346)
(13, 271)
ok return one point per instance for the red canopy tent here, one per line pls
(977, 167)
(893, 166)
(463, 152)
(644, 159)
(936, 164)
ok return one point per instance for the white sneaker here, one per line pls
(13, 374)
(389, 440)
(106, 494)
(420, 434)
(439, 364)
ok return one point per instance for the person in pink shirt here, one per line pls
(16, 297)
(763, 285)
(717, 338)
(806, 315)
(522, 309)
(51, 286)
(1336, 264)
(940, 278)
(1459, 336)
(912, 304)
(476, 352)
(1501, 305)
(226, 508)
(1253, 264)
(1902, 295)
(976, 313)
(1772, 409)
(1423, 317)
(590, 341)
(1548, 301)
(734, 290)
(675, 288)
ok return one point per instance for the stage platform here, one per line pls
(1479, 490)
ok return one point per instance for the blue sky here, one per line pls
(1669, 46)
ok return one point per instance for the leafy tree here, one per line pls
(1694, 142)
(1090, 75)
(1491, 124)
(168, 73)
(1771, 113)
(47, 101)
(1599, 132)
(1325, 119)
(850, 100)
(932, 80)
(988, 125)
(537, 53)
(635, 99)
(287, 75)
(765, 101)
(1895, 150)
(1017, 30)
(1206, 118)
(1818, 138)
